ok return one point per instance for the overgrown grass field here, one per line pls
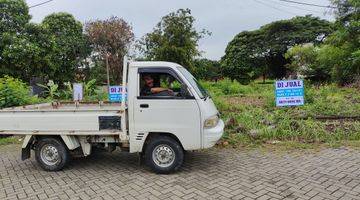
(253, 119)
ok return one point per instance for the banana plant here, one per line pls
(51, 89)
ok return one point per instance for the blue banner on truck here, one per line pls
(289, 93)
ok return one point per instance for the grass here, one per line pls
(10, 140)
(252, 118)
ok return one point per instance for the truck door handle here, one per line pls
(144, 105)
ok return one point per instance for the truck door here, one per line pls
(162, 106)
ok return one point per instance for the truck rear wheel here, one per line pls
(164, 155)
(51, 154)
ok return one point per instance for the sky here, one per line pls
(223, 18)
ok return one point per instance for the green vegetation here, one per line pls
(174, 39)
(205, 69)
(57, 48)
(338, 58)
(9, 140)
(92, 92)
(252, 118)
(261, 52)
(69, 49)
(53, 49)
(306, 47)
(14, 92)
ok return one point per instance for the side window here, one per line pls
(160, 85)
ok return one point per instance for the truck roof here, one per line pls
(153, 64)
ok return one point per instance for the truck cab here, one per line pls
(187, 115)
(159, 125)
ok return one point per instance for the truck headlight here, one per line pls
(211, 121)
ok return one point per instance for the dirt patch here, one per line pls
(246, 100)
(344, 125)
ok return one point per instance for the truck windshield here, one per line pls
(194, 83)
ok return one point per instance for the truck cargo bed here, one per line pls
(90, 118)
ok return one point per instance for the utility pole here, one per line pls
(107, 70)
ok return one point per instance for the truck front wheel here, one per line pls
(164, 155)
(51, 154)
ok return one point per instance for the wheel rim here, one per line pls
(163, 155)
(49, 155)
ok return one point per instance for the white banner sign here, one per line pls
(77, 91)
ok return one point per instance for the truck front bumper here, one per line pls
(212, 135)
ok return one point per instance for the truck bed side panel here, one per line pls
(52, 121)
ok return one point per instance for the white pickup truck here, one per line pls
(158, 126)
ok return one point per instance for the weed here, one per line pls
(257, 120)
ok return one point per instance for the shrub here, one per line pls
(14, 92)
(99, 94)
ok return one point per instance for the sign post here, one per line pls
(289, 93)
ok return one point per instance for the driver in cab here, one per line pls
(149, 88)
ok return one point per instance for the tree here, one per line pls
(347, 12)
(14, 14)
(346, 39)
(23, 45)
(53, 49)
(97, 71)
(174, 39)
(243, 55)
(27, 54)
(339, 57)
(206, 69)
(312, 62)
(261, 52)
(70, 46)
(110, 38)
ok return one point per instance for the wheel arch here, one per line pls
(71, 142)
(152, 135)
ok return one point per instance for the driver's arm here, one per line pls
(159, 89)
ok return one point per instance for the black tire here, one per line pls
(54, 144)
(159, 143)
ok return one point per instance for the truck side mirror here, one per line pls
(185, 91)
